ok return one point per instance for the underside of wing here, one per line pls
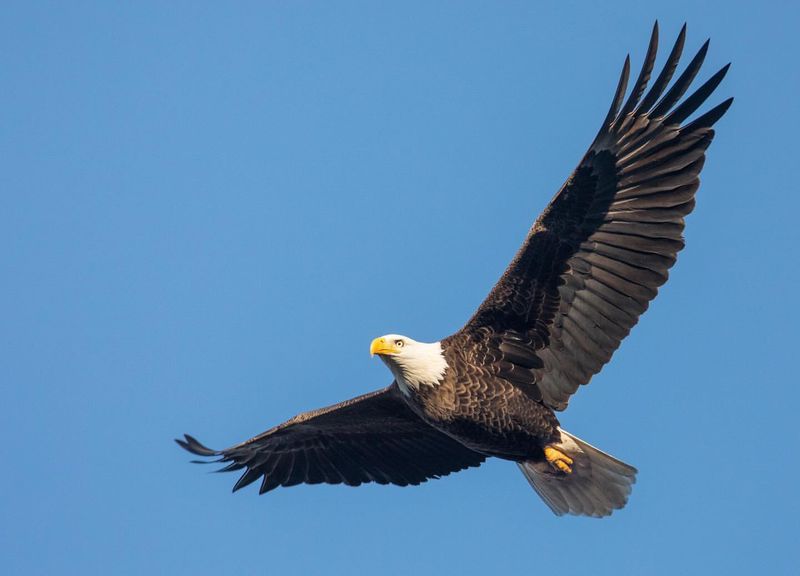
(371, 438)
(596, 256)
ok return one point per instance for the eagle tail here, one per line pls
(597, 484)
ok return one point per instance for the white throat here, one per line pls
(418, 364)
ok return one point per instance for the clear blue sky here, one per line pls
(208, 210)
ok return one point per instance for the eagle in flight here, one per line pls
(588, 268)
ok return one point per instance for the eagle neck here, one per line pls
(425, 367)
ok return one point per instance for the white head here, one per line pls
(412, 363)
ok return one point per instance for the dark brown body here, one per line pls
(483, 410)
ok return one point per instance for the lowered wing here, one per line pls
(372, 438)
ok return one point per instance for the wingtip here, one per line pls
(182, 443)
(619, 94)
(245, 479)
(725, 104)
(191, 444)
(722, 72)
(681, 39)
(710, 118)
(654, 31)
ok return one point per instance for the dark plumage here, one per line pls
(589, 267)
(371, 438)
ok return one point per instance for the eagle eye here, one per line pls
(399, 343)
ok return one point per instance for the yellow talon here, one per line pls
(558, 459)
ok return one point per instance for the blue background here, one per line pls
(208, 210)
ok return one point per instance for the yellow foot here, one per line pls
(558, 459)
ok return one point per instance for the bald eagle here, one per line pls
(588, 268)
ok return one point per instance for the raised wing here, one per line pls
(371, 438)
(594, 259)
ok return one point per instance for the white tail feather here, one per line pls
(598, 484)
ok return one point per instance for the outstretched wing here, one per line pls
(372, 438)
(594, 259)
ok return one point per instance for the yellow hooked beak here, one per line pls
(382, 346)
